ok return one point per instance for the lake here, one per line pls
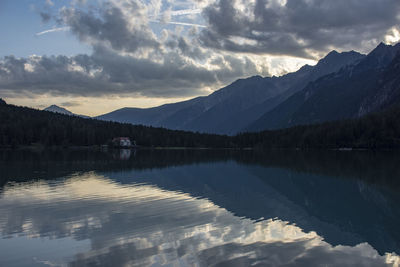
(199, 208)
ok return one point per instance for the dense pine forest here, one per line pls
(21, 126)
(374, 131)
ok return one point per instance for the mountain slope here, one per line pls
(333, 97)
(180, 115)
(26, 126)
(61, 110)
(149, 116)
(238, 116)
(379, 130)
(57, 109)
(387, 91)
(231, 108)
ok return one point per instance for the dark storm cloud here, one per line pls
(106, 72)
(40, 75)
(111, 26)
(185, 47)
(298, 26)
(128, 58)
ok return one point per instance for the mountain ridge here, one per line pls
(22, 126)
(61, 110)
(58, 109)
(332, 97)
(229, 109)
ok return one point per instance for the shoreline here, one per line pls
(102, 148)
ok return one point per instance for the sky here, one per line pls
(95, 56)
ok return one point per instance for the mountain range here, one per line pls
(353, 91)
(340, 86)
(232, 108)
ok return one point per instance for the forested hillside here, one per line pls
(25, 126)
(373, 131)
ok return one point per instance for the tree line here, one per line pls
(21, 126)
(373, 131)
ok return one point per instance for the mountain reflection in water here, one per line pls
(225, 210)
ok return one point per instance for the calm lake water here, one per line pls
(199, 208)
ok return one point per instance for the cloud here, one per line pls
(180, 23)
(59, 29)
(45, 16)
(185, 12)
(71, 104)
(128, 58)
(163, 49)
(107, 72)
(302, 28)
(112, 27)
(181, 12)
(49, 2)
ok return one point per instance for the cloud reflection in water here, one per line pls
(142, 225)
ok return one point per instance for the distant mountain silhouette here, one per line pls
(61, 110)
(232, 108)
(340, 86)
(357, 89)
(57, 109)
(22, 126)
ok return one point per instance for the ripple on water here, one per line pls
(91, 219)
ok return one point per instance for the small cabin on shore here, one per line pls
(122, 142)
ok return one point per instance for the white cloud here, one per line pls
(179, 23)
(303, 28)
(49, 2)
(393, 36)
(129, 57)
(59, 29)
(185, 12)
(187, 48)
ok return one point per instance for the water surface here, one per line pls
(199, 208)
